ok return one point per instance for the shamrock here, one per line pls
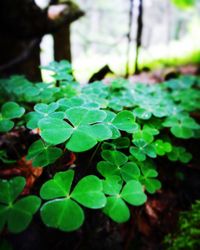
(9, 111)
(179, 154)
(62, 210)
(181, 126)
(43, 110)
(43, 154)
(83, 129)
(16, 214)
(162, 147)
(148, 176)
(116, 207)
(116, 163)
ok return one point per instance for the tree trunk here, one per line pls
(62, 46)
(139, 35)
(130, 25)
(22, 25)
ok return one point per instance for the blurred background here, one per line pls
(118, 33)
(171, 35)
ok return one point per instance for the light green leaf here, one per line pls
(114, 157)
(43, 155)
(88, 192)
(125, 121)
(81, 140)
(54, 131)
(130, 171)
(117, 209)
(57, 187)
(63, 214)
(11, 110)
(112, 185)
(133, 193)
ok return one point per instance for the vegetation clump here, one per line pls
(119, 129)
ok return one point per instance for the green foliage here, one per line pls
(129, 125)
(9, 111)
(63, 211)
(187, 233)
(184, 4)
(43, 154)
(16, 214)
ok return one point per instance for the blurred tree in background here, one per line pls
(23, 24)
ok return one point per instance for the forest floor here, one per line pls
(150, 223)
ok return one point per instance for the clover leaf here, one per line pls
(54, 130)
(181, 126)
(142, 149)
(116, 163)
(88, 128)
(179, 154)
(142, 113)
(162, 147)
(42, 155)
(62, 211)
(131, 193)
(43, 110)
(125, 121)
(16, 214)
(9, 111)
(148, 178)
(61, 70)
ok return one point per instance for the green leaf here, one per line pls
(3, 216)
(17, 215)
(138, 153)
(148, 171)
(6, 125)
(117, 209)
(11, 189)
(57, 187)
(45, 108)
(125, 121)
(107, 169)
(130, 171)
(182, 132)
(114, 157)
(63, 214)
(101, 132)
(43, 155)
(54, 131)
(142, 113)
(88, 192)
(21, 213)
(122, 142)
(179, 154)
(112, 185)
(133, 193)
(79, 116)
(11, 110)
(152, 185)
(81, 140)
(181, 126)
(162, 147)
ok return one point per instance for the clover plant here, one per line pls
(62, 210)
(16, 214)
(114, 132)
(9, 111)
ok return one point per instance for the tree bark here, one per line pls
(139, 35)
(22, 25)
(130, 25)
